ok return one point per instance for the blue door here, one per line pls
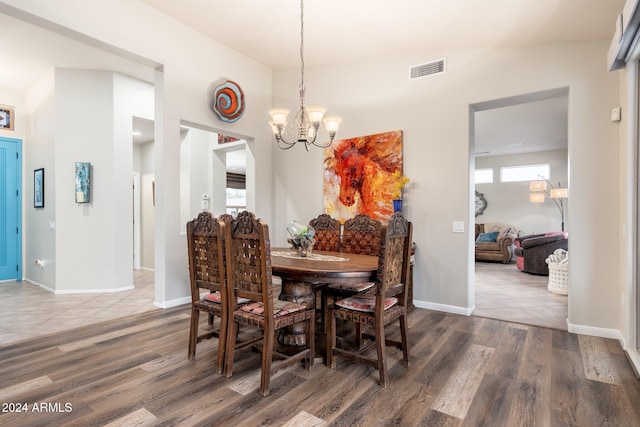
(10, 209)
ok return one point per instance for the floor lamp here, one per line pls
(541, 188)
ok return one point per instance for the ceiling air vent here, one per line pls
(427, 69)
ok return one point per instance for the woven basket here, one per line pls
(559, 278)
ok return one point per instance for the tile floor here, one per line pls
(28, 311)
(505, 293)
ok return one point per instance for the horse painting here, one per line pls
(360, 174)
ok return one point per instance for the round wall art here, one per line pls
(228, 101)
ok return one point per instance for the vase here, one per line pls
(397, 205)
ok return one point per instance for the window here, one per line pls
(524, 173)
(236, 200)
(484, 176)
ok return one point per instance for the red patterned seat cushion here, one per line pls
(364, 303)
(352, 287)
(280, 308)
(215, 297)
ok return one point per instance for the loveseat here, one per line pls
(494, 242)
(531, 251)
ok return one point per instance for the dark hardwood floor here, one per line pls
(464, 371)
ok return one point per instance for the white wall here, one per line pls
(508, 202)
(187, 63)
(202, 172)
(433, 112)
(84, 133)
(39, 239)
(147, 209)
(82, 115)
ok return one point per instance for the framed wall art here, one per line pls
(361, 175)
(83, 182)
(6, 118)
(38, 188)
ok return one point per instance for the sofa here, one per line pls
(532, 250)
(495, 242)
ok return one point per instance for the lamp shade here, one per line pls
(536, 197)
(316, 114)
(559, 193)
(537, 185)
(332, 123)
(279, 116)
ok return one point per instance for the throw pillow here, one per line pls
(487, 237)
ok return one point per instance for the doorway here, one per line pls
(520, 131)
(214, 168)
(11, 209)
(143, 194)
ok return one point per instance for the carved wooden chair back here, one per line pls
(249, 276)
(361, 235)
(205, 243)
(327, 233)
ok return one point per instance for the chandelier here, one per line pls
(306, 123)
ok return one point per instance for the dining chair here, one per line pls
(327, 238)
(327, 233)
(385, 307)
(205, 235)
(225, 218)
(360, 235)
(249, 276)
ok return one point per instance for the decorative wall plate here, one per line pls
(481, 203)
(228, 101)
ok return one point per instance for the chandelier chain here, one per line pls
(302, 90)
(305, 124)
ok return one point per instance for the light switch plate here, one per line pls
(616, 114)
(458, 226)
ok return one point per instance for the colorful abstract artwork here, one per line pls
(228, 101)
(83, 182)
(361, 175)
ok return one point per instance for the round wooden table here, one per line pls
(301, 276)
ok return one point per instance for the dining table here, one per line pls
(302, 276)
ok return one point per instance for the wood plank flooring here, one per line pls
(465, 371)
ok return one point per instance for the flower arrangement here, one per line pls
(399, 181)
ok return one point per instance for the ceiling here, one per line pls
(351, 30)
(355, 30)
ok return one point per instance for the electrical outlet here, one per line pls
(458, 226)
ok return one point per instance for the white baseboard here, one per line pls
(596, 332)
(46, 288)
(172, 303)
(93, 291)
(145, 269)
(80, 291)
(453, 309)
